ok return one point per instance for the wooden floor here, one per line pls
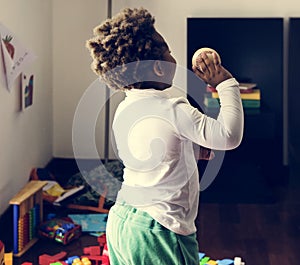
(262, 234)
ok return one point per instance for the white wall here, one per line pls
(71, 68)
(73, 22)
(26, 137)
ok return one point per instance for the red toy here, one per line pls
(93, 251)
(102, 240)
(46, 259)
(98, 260)
(98, 254)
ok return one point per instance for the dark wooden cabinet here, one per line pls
(252, 50)
(294, 90)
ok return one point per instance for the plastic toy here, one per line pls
(26, 263)
(99, 260)
(238, 261)
(70, 260)
(203, 260)
(102, 240)
(211, 262)
(225, 262)
(46, 259)
(93, 251)
(61, 230)
(83, 261)
(98, 254)
(8, 258)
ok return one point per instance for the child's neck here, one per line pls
(152, 85)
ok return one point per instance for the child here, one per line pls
(152, 221)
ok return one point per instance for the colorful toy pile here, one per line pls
(97, 255)
(204, 260)
(61, 230)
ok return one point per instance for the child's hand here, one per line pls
(211, 71)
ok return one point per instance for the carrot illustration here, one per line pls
(10, 48)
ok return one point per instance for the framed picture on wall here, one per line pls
(26, 90)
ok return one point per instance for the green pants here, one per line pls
(135, 238)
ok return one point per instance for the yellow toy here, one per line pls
(8, 258)
(83, 261)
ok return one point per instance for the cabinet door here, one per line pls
(252, 49)
(293, 81)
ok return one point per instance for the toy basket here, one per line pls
(61, 230)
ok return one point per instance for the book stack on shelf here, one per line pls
(250, 95)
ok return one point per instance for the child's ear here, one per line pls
(158, 69)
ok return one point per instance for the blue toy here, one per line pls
(71, 259)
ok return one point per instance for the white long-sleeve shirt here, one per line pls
(155, 134)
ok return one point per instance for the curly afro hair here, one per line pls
(123, 39)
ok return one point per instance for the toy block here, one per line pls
(76, 261)
(211, 262)
(201, 255)
(46, 259)
(225, 262)
(102, 240)
(71, 259)
(8, 258)
(204, 260)
(83, 261)
(103, 260)
(237, 261)
(105, 251)
(93, 251)
(86, 261)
